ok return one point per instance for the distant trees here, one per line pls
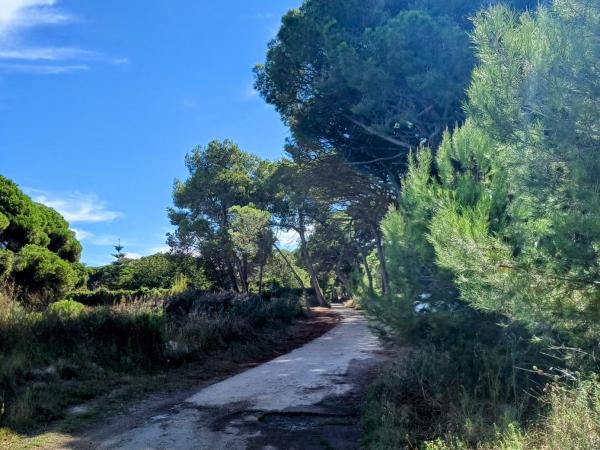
(38, 251)
(252, 239)
(296, 205)
(224, 215)
(220, 176)
(160, 270)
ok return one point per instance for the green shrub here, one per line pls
(180, 284)
(53, 359)
(107, 297)
(66, 308)
(6, 264)
(43, 275)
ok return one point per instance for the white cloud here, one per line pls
(45, 53)
(160, 249)
(18, 16)
(265, 15)
(37, 69)
(82, 234)
(132, 255)
(77, 207)
(250, 92)
(105, 240)
(288, 239)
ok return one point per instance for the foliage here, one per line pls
(66, 308)
(43, 275)
(54, 359)
(502, 220)
(370, 80)
(38, 251)
(220, 176)
(107, 297)
(278, 275)
(158, 271)
(252, 239)
(519, 225)
(180, 284)
(463, 375)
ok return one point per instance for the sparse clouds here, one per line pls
(250, 92)
(159, 249)
(42, 69)
(16, 15)
(288, 239)
(265, 15)
(17, 55)
(82, 235)
(77, 207)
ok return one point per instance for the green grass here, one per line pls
(65, 356)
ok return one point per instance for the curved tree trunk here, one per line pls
(289, 264)
(232, 277)
(367, 270)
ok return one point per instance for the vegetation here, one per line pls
(38, 251)
(501, 220)
(71, 353)
(463, 217)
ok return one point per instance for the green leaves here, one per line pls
(250, 232)
(40, 244)
(42, 274)
(370, 80)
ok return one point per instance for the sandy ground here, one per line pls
(306, 399)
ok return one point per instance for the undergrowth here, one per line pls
(463, 380)
(68, 354)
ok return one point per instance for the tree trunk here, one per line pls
(240, 270)
(260, 277)
(232, 277)
(385, 281)
(367, 270)
(311, 270)
(345, 283)
(289, 264)
(245, 273)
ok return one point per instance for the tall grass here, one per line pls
(53, 359)
(466, 380)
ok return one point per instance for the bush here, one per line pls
(43, 275)
(572, 421)
(66, 309)
(53, 359)
(107, 297)
(461, 378)
(6, 264)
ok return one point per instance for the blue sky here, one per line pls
(101, 99)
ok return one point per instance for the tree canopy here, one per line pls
(38, 251)
(371, 80)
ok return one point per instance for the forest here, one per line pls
(440, 176)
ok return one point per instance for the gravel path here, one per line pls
(306, 399)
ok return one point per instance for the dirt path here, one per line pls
(305, 399)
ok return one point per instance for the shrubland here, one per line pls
(71, 353)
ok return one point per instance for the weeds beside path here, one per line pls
(306, 399)
(134, 395)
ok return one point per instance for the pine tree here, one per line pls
(119, 255)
